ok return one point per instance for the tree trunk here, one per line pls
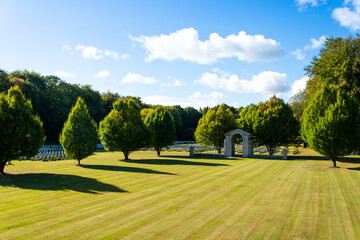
(79, 162)
(334, 161)
(126, 155)
(219, 151)
(158, 150)
(2, 166)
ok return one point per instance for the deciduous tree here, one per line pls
(123, 129)
(162, 126)
(21, 132)
(272, 123)
(214, 125)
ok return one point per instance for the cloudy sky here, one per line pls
(191, 53)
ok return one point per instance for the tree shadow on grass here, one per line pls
(356, 169)
(125, 169)
(197, 156)
(322, 158)
(57, 182)
(172, 162)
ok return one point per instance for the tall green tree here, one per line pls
(21, 132)
(79, 135)
(214, 125)
(331, 123)
(123, 129)
(162, 126)
(272, 123)
(338, 64)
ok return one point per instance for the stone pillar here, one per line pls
(233, 145)
(227, 146)
(285, 150)
(250, 146)
(245, 146)
(191, 151)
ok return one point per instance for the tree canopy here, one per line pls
(272, 123)
(21, 131)
(162, 126)
(123, 129)
(79, 135)
(338, 63)
(331, 123)
(214, 125)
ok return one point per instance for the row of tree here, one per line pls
(272, 124)
(122, 129)
(53, 98)
(327, 112)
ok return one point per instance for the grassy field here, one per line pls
(176, 197)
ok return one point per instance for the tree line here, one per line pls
(324, 115)
(52, 99)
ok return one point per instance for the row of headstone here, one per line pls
(50, 153)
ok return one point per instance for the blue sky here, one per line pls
(191, 53)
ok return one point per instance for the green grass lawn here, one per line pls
(176, 197)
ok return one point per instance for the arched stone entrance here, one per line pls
(229, 143)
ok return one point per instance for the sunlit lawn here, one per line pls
(177, 197)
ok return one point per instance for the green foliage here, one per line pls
(298, 104)
(5, 83)
(337, 64)
(145, 112)
(123, 128)
(214, 125)
(108, 100)
(21, 132)
(332, 123)
(162, 126)
(272, 123)
(191, 117)
(79, 135)
(176, 114)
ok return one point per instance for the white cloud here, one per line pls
(137, 78)
(299, 85)
(112, 54)
(299, 54)
(304, 3)
(348, 17)
(195, 100)
(174, 83)
(314, 44)
(62, 74)
(185, 45)
(91, 52)
(265, 83)
(102, 74)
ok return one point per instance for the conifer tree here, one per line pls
(21, 133)
(331, 123)
(79, 135)
(162, 126)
